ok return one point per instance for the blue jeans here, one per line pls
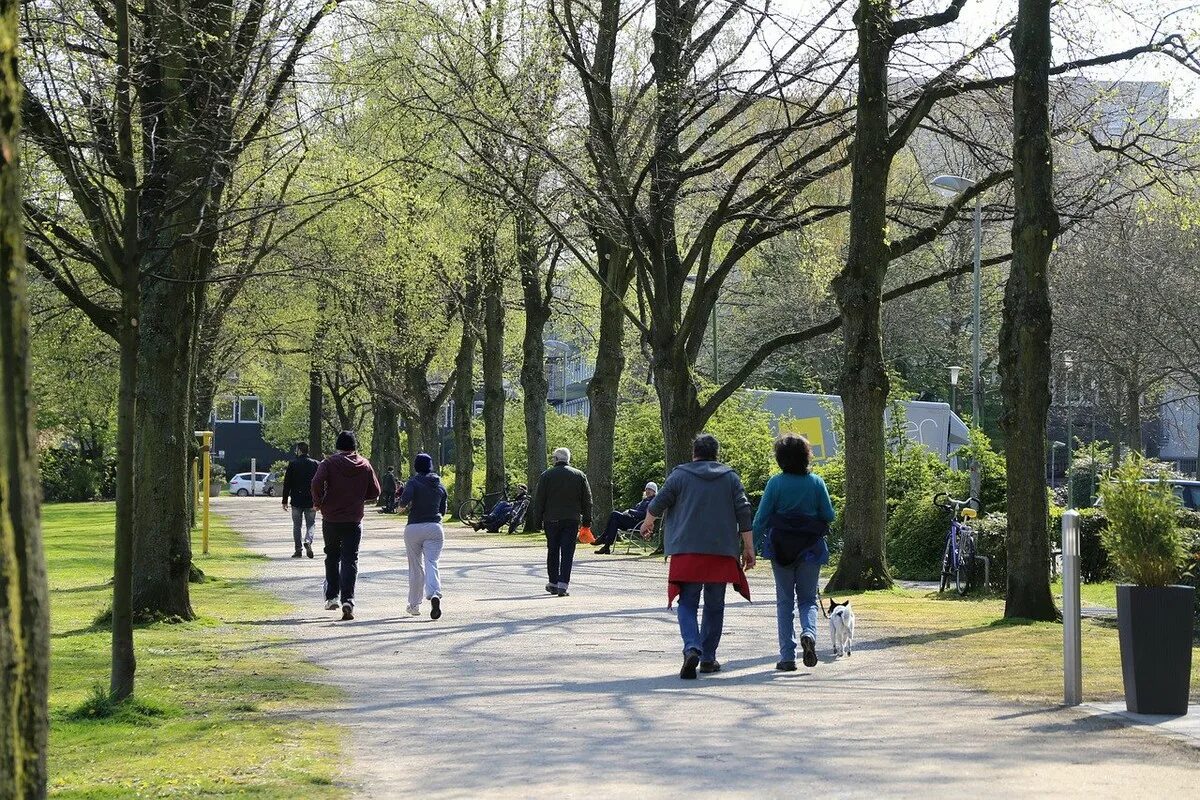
(341, 558)
(795, 585)
(702, 638)
(309, 517)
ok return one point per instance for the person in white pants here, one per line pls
(424, 499)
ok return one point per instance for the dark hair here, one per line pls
(302, 447)
(346, 441)
(705, 447)
(391, 469)
(793, 453)
(423, 463)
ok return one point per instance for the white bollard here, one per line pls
(1072, 641)
(253, 477)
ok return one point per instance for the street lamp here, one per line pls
(951, 186)
(1069, 362)
(954, 372)
(566, 349)
(1053, 472)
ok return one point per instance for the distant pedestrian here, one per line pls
(425, 499)
(706, 529)
(791, 525)
(344, 483)
(388, 486)
(297, 487)
(561, 502)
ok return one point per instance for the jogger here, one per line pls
(425, 498)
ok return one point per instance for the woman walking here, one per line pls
(424, 498)
(791, 525)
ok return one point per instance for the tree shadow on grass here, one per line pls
(928, 637)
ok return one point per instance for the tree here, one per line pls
(24, 602)
(1025, 333)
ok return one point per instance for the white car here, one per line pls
(240, 484)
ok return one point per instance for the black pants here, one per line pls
(561, 538)
(389, 502)
(617, 521)
(341, 558)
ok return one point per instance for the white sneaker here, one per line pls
(413, 611)
(331, 605)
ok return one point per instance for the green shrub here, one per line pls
(68, 476)
(916, 536)
(991, 540)
(1142, 537)
(993, 477)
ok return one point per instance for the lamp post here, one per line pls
(951, 186)
(954, 372)
(1054, 472)
(1069, 363)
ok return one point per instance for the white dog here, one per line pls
(841, 627)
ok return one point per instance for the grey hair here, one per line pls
(562, 455)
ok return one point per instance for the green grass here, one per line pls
(213, 711)
(967, 641)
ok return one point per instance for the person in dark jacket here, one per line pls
(342, 486)
(792, 523)
(297, 487)
(425, 499)
(626, 520)
(561, 501)
(707, 527)
(387, 490)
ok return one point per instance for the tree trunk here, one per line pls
(859, 291)
(1025, 332)
(494, 398)
(24, 604)
(162, 551)
(535, 388)
(679, 410)
(1133, 417)
(124, 662)
(605, 384)
(464, 403)
(385, 435)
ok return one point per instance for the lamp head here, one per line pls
(950, 186)
(954, 372)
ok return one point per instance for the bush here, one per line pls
(916, 536)
(993, 478)
(991, 540)
(67, 476)
(1142, 537)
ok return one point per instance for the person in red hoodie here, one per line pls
(345, 482)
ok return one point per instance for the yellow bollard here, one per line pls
(206, 438)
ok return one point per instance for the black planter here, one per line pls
(1155, 625)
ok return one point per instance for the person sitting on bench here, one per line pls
(626, 520)
(501, 513)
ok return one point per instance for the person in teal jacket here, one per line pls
(790, 527)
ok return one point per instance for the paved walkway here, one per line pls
(514, 693)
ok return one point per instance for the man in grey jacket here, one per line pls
(562, 500)
(706, 530)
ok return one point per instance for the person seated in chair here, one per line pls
(501, 513)
(626, 520)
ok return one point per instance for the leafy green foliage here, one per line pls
(69, 476)
(1142, 536)
(916, 535)
(993, 479)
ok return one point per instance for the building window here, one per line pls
(223, 409)
(249, 409)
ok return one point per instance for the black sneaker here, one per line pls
(297, 554)
(691, 660)
(708, 667)
(347, 612)
(308, 549)
(603, 551)
(786, 666)
(810, 650)
(562, 591)
(436, 611)
(551, 588)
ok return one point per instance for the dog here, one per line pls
(841, 627)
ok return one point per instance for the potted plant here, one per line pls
(1154, 613)
(216, 480)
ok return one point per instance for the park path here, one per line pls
(514, 693)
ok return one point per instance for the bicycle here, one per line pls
(473, 511)
(958, 558)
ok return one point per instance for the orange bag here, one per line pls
(585, 535)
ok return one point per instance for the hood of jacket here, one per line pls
(346, 464)
(706, 470)
(431, 479)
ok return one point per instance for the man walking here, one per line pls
(297, 486)
(625, 520)
(708, 526)
(342, 486)
(388, 487)
(562, 500)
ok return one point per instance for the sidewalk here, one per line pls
(515, 693)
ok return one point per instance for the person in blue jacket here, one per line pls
(791, 525)
(425, 500)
